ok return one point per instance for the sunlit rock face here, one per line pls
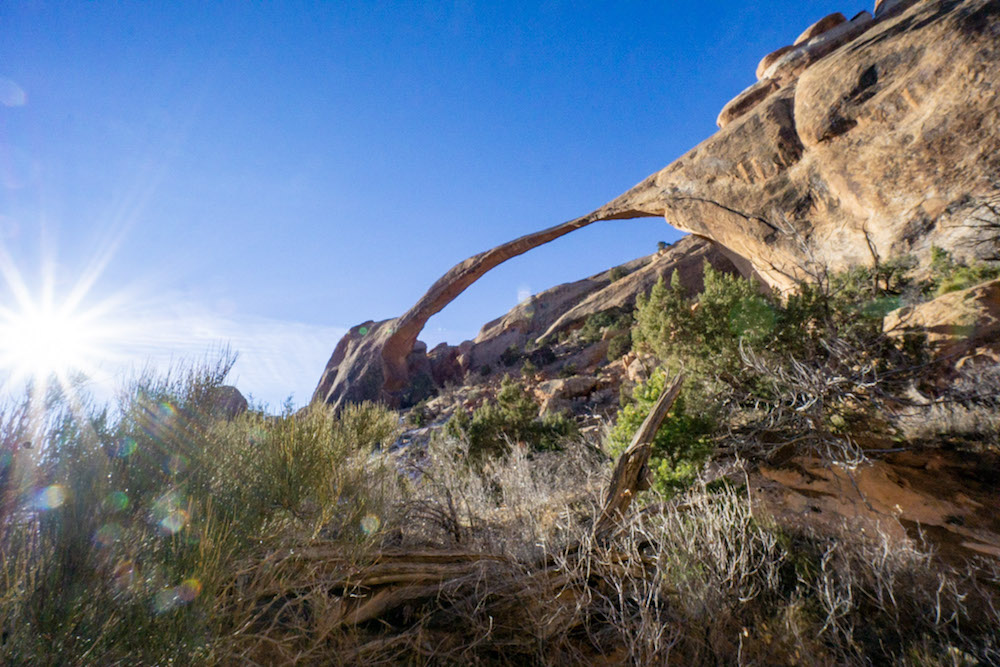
(871, 138)
(885, 146)
(354, 372)
(963, 325)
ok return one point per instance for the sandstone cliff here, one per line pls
(863, 140)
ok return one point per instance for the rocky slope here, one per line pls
(863, 140)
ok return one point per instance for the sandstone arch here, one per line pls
(870, 147)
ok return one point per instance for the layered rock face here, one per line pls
(866, 139)
(882, 146)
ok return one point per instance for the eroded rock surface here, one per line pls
(947, 498)
(957, 324)
(873, 138)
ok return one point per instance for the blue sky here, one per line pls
(268, 174)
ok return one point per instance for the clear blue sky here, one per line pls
(269, 173)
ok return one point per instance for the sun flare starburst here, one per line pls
(39, 341)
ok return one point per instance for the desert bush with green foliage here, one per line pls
(681, 446)
(511, 418)
(511, 356)
(816, 362)
(619, 346)
(617, 273)
(594, 327)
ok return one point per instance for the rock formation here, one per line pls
(960, 325)
(868, 139)
(356, 367)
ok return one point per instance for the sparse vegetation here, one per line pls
(159, 532)
(948, 275)
(510, 356)
(681, 447)
(620, 345)
(121, 529)
(597, 324)
(815, 367)
(617, 273)
(166, 530)
(512, 419)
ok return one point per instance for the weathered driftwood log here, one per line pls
(631, 473)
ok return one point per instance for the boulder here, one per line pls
(819, 27)
(227, 401)
(788, 67)
(771, 58)
(555, 395)
(571, 387)
(446, 367)
(746, 100)
(958, 325)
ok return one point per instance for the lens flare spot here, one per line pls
(165, 600)
(116, 501)
(369, 524)
(126, 448)
(167, 410)
(107, 534)
(124, 574)
(51, 497)
(174, 521)
(188, 590)
(363, 330)
(168, 513)
(176, 464)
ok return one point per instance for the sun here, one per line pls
(42, 341)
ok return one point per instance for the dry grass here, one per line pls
(303, 543)
(701, 580)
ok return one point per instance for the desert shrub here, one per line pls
(681, 446)
(542, 356)
(948, 275)
(511, 356)
(702, 336)
(511, 418)
(620, 345)
(125, 525)
(662, 245)
(418, 415)
(528, 368)
(505, 506)
(567, 371)
(617, 273)
(816, 363)
(596, 324)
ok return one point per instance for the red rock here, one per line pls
(819, 27)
